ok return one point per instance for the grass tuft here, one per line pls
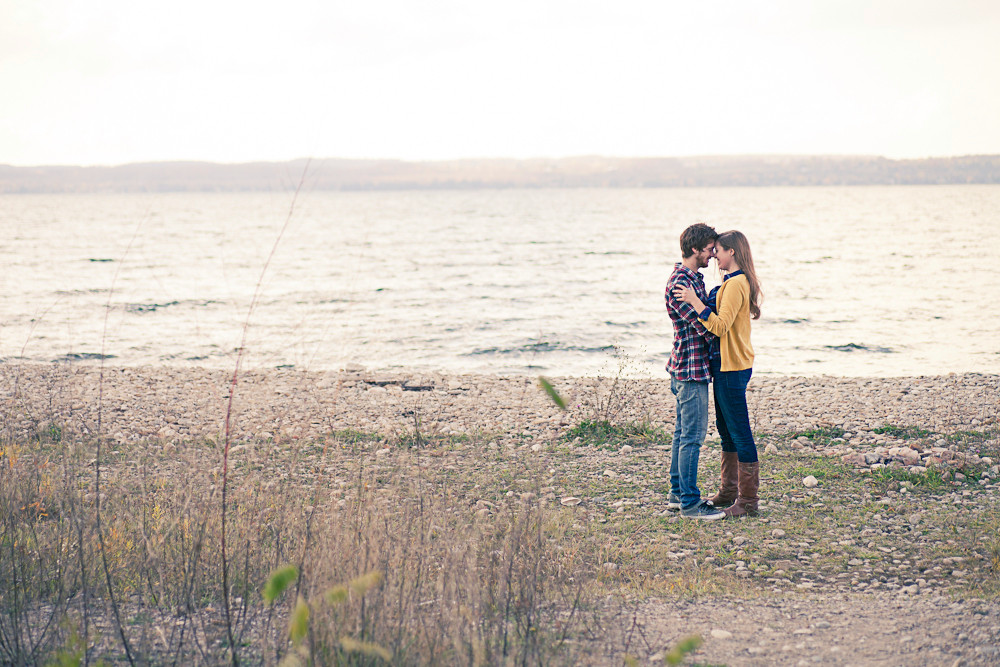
(903, 432)
(609, 435)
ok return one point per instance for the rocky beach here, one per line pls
(877, 541)
(157, 403)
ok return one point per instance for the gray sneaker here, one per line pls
(673, 502)
(702, 511)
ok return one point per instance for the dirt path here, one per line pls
(873, 629)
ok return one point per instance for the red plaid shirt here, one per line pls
(689, 358)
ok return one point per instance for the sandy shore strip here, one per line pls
(155, 403)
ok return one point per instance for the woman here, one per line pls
(738, 300)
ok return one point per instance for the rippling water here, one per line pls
(857, 280)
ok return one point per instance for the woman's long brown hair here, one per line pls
(735, 241)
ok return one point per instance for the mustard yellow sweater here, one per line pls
(732, 324)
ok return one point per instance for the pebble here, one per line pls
(810, 482)
(719, 633)
(777, 532)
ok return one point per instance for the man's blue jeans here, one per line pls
(692, 426)
(731, 416)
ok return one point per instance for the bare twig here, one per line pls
(97, 462)
(229, 412)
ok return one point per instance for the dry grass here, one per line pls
(464, 578)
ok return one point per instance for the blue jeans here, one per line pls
(692, 426)
(731, 416)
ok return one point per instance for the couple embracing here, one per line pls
(712, 346)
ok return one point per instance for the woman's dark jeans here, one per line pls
(731, 416)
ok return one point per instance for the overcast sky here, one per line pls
(115, 81)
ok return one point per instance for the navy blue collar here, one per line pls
(732, 275)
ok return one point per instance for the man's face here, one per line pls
(705, 254)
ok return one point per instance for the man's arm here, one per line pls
(685, 311)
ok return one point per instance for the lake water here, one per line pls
(878, 281)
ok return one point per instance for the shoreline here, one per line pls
(163, 402)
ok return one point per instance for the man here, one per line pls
(690, 375)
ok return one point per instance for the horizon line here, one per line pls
(730, 156)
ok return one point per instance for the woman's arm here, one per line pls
(687, 295)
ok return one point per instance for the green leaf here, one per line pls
(684, 646)
(367, 648)
(337, 594)
(278, 582)
(298, 626)
(551, 391)
(362, 584)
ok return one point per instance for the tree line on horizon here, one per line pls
(575, 172)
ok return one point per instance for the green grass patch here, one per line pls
(824, 435)
(903, 432)
(929, 480)
(50, 434)
(612, 436)
(416, 439)
(825, 470)
(353, 436)
(970, 436)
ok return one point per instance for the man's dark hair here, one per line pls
(695, 238)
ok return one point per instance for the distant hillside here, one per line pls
(601, 172)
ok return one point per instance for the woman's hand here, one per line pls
(687, 295)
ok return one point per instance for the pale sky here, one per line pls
(116, 81)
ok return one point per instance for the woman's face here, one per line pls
(724, 256)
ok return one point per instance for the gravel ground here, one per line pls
(142, 403)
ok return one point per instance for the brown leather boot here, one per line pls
(749, 483)
(730, 478)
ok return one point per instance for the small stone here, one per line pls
(536, 447)
(570, 501)
(810, 482)
(625, 449)
(771, 450)
(777, 532)
(610, 473)
(719, 633)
